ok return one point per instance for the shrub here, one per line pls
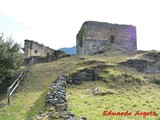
(10, 58)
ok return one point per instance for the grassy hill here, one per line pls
(122, 87)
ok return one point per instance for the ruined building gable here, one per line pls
(34, 49)
(94, 36)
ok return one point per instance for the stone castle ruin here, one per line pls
(95, 36)
(34, 49)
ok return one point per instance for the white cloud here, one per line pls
(56, 23)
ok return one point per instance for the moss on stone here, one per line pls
(80, 37)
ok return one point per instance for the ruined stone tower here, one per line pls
(95, 36)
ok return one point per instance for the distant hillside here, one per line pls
(70, 50)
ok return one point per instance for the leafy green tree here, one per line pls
(10, 58)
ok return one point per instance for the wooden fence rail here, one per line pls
(15, 84)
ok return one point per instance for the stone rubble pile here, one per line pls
(56, 99)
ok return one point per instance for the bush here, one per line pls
(10, 58)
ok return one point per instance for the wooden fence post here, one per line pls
(8, 95)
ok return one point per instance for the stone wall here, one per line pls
(34, 49)
(56, 100)
(56, 97)
(93, 46)
(94, 36)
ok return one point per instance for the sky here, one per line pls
(55, 23)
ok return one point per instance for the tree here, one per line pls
(10, 58)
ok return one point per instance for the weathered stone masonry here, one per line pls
(34, 49)
(57, 97)
(95, 36)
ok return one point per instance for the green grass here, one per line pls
(82, 102)
(29, 99)
(137, 94)
(20, 104)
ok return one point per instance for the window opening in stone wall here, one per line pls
(112, 39)
(36, 51)
(47, 54)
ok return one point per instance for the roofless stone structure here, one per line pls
(95, 36)
(34, 49)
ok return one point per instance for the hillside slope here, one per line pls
(122, 87)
